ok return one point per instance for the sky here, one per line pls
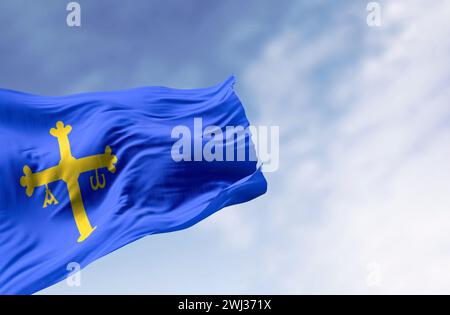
(361, 200)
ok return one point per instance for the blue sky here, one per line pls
(364, 133)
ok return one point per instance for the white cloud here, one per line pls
(364, 174)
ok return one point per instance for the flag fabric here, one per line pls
(83, 175)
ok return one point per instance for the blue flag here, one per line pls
(86, 174)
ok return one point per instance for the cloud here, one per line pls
(364, 174)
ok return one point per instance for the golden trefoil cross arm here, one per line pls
(68, 170)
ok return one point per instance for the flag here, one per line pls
(83, 175)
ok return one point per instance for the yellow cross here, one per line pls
(68, 170)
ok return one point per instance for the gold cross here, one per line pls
(68, 170)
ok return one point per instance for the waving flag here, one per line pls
(86, 174)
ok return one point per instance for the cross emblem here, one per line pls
(68, 170)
